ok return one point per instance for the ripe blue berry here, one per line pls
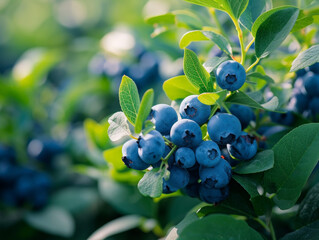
(314, 68)
(224, 128)
(185, 157)
(312, 84)
(163, 116)
(245, 147)
(213, 195)
(186, 133)
(230, 75)
(170, 160)
(208, 154)
(216, 177)
(192, 190)
(314, 107)
(178, 178)
(130, 156)
(244, 114)
(286, 119)
(151, 147)
(299, 102)
(191, 108)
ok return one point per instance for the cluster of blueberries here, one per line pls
(198, 167)
(21, 186)
(304, 99)
(144, 70)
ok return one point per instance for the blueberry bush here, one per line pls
(240, 134)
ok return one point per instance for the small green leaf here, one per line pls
(309, 207)
(179, 87)
(144, 110)
(306, 58)
(212, 98)
(129, 99)
(296, 155)
(249, 182)
(211, 64)
(243, 99)
(195, 72)
(309, 232)
(213, 227)
(152, 183)
(52, 220)
(187, 19)
(113, 156)
(119, 127)
(262, 205)
(261, 162)
(148, 126)
(252, 12)
(272, 28)
(235, 8)
(197, 35)
(303, 20)
(260, 76)
(118, 225)
(168, 18)
(97, 133)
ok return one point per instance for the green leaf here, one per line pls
(306, 58)
(152, 183)
(260, 76)
(235, 8)
(116, 226)
(195, 72)
(126, 199)
(309, 232)
(148, 126)
(243, 99)
(309, 207)
(249, 182)
(208, 3)
(304, 19)
(252, 12)
(214, 227)
(144, 110)
(272, 28)
(52, 220)
(168, 18)
(261, 162)
(262, 205)
(129, 99)
(187, 19)
(212, 63)
(119, 127)
(97, 133)
(176, 231)
(198, 35)
(296, 155)
(179, 87)
(212, 98)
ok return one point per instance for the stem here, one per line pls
(249, 45)
(253, 65)
(224, 106)
(264, 225)
(170, 153)
(168, 141)
(272, 231)
(241, 40)
(215, 108)
(212, 11)
(133, 137)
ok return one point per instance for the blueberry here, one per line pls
(179, 178)
(299, 102)
(213, 195)
(191, 108)
(40, 199)
(151, 147)
(314, 68)
(170, 160)
(23, 187)
(186, 133)
(224, 128)
(192, 190)
(314, 107)
(163, 116)
(227, 157)
(312, 84)
(230, 75)
(301, 72)
(41, 181)
(244, 114)
(208, 154)
(216, 177)
(245, 147)
(167, 188)
(286, 119)
(193, 173)
(185, 157)
(130, 156)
